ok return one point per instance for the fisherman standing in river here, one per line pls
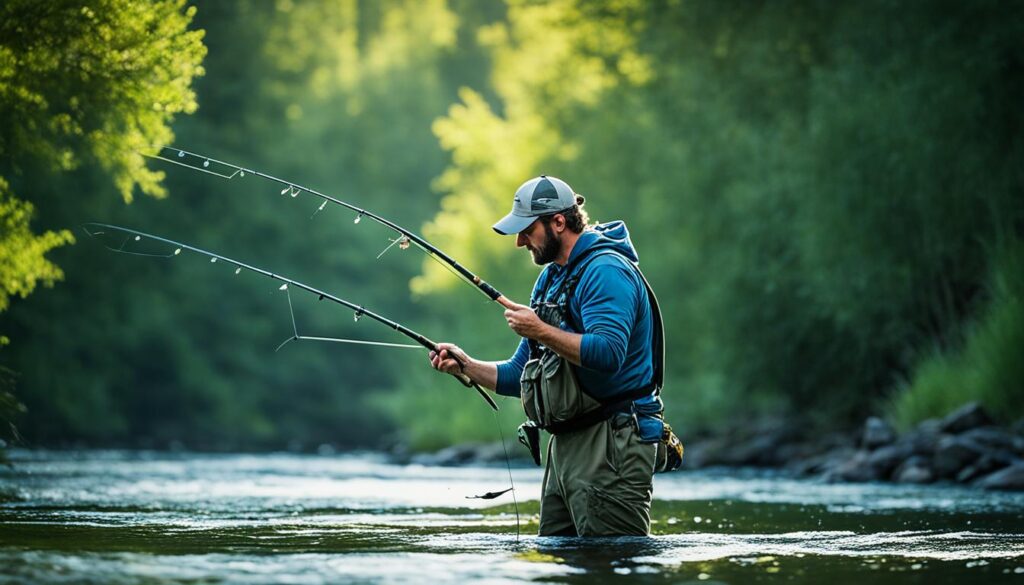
(589, 367)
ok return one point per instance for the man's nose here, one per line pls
(520, 240)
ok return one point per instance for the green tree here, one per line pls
(339, 97)
(81, 84)
(820, 192)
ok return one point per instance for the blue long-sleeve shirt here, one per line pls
(610, 308)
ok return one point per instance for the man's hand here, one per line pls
(524, 321)
(447, 357)
(444, 358)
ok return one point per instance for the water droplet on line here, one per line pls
(241, 173)
(181, 154)
(178, 251)
(283, 286)
(237, 270)
(206, 163)
(403, 243)
(295, 192)
(322, 205)
(285, 190)
(358, 218)
(137, 238)
(212, 260)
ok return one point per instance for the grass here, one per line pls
(988, 368)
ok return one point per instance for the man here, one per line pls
(585, 367)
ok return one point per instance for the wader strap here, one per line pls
(623, 403)
(568, 289)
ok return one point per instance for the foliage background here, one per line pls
(827, 197)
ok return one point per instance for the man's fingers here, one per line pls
(448, 366)
(509, 304)
(448, 358)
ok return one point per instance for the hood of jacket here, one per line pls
(612, 235)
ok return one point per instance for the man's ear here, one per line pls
(558, 222)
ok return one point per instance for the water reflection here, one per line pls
(133, 518)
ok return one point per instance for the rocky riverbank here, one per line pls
(965, 447)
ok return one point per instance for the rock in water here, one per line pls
(857, 468)
(1011, 478)
(884, 459)
(996, 439)
(877, 433)
(924, 438)
(987, 464)
(953, 454)
(965, 418)
(914, 470)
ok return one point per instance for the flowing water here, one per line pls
(120, 517)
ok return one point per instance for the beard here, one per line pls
(548, 250)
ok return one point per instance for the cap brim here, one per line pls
(513, 224)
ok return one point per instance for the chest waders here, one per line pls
(555, 401)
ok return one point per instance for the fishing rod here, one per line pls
(131, 236)
(229, 171)
(134, 238)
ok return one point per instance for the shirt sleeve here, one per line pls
(510, 370)
(607, 297)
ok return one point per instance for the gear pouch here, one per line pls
(670, 452)
(551, 392)
(529, 386)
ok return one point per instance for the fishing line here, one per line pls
(508, 465)
(448, 268)
(297, 337)
(497, 422)
(511, 483)
(99, 229)
(136, 236)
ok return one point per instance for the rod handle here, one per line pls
(488, 289)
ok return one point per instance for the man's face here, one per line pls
(541, 241)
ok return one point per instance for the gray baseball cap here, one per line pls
(539, 196)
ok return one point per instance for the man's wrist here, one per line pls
(546, 334)
(471, 367)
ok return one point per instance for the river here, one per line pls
(142, 517)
